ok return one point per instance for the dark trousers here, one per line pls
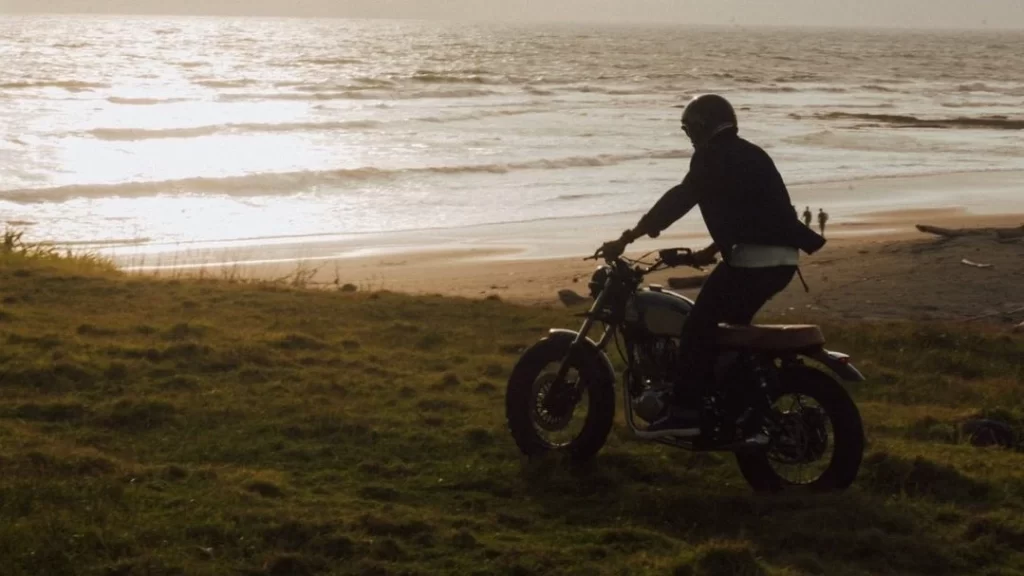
(730, 295)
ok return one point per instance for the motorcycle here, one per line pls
(791, 425)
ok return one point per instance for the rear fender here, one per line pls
(838, 363)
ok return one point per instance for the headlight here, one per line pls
(598, 279)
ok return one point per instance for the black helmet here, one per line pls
(705, 116)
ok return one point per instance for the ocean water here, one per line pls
(186, 130)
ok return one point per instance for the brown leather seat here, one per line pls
(770, 337)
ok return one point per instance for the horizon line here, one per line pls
(985, 27)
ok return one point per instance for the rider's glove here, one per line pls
(613, 249)
(705, 257)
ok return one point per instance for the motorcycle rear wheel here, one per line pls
(846, 440)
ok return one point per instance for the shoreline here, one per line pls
(996, 194)
(882, 206)
(529, 262)
(521, 273)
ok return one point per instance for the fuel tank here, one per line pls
(658, 311)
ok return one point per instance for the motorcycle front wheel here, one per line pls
(817, 438)
(545, 414)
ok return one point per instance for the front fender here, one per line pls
(838, 363)
(563, 337)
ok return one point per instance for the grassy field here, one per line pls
(207, 427)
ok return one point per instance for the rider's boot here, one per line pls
(682, 418)
(678, 421)
(714, 433)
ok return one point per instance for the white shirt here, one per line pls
(761, 256)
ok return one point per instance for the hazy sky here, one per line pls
(900, 13)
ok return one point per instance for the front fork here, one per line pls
(575, 392)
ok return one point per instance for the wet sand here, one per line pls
(875, 265)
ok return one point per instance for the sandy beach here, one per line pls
(876, 264)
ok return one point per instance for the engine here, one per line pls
(656, 362)
(654, 320)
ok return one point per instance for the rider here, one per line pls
(748, 213)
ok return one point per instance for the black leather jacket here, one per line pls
(741, 196)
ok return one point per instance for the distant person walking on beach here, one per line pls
(822, 219)
(807, 216)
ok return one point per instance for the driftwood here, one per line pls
(1000, 233)
(682, 283)
(998, 313)
(570, 298)
(975, 264)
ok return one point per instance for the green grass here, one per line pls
(205, 427)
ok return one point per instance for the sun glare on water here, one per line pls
(212, 129)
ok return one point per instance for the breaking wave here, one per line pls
(455, 78)
(537, 91)
(976, 87)
(322, 61)
(358, 94)
(133, 134)
(143, 101)
(588, 89)
(240, 83)
(360, 84)
(69, 85)
(977, 104)
(776, 89)
(1016, 90)
(581, 196)
(283, 183)
(863, 141)
(137, 134)
(878, 88)
(902, 120)
(477, 115)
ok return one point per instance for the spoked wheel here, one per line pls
(802, 449)
(559, 408)
(544, 413)
(817, 439)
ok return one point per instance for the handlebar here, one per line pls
(667, 258)
(676, 256)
